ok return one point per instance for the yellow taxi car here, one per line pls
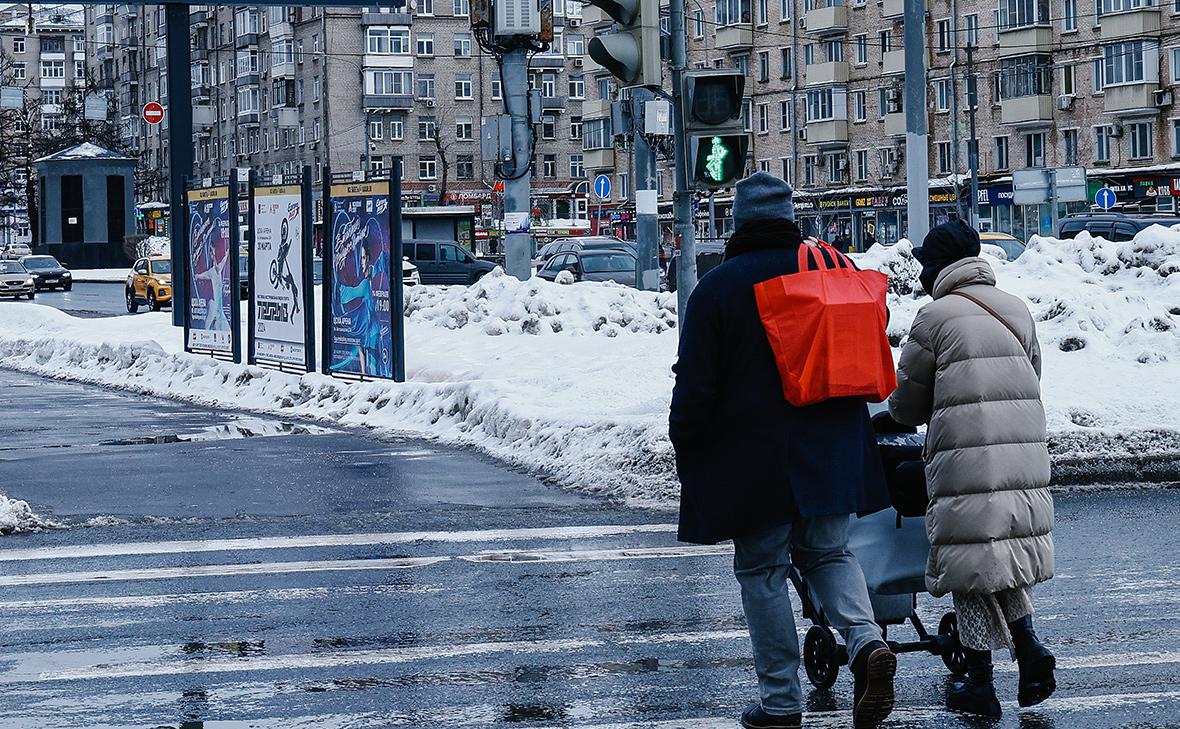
(149, 283)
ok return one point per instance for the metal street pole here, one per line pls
(647, 274)
(916, 150)
(955, 106)
(180, 144)
(686, 266)
(973, 149)
(517, 245)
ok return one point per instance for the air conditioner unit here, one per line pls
(432, 188)
(1116, 130)
(843, 165)
(430, 103)
(1065, 102)
(573, 22)
(803, 22)
(891, 169)
(1163, 97)
(578, 62)
(803, 134)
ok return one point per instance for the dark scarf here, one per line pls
(761, 235)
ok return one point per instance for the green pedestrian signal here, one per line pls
(718, 160)
(715, 162)
(718, 142)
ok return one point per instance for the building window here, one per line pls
(971, 24)
(1001, 153)
(397, 128)
(548, 85)
(786, 62)
(835, 51)
(942, 94)
(764, 66)
(1034, 149)
(548, 127)
(1069, 144)
(549, 166)
(246, 21)
(465, 167)
(596, 134)
(462, 45)
(376, 130)
(862, 49)
(426, 128)
(1069, 15)
(1120, 6)
(1069, 79)
(463, 86)
(1139, 135)
(763, 118)
(761, 13)
(425, 7)
(945, 35)
(1023, 13)
(427, 168)
(18, 45)
(577, 168)
(53, 69)
(1176, 137)
(885, 41)
(1025, 76)
(861, 165)
(388, 41)
(698, 23)
(860, 111)
(787, 172)
(248, 100)
(1123, 63)
(1102, 144)
(464, 128)
(385, 82)
(19, 72)
(826, 104)
(1099, 75)
(1176, 64)
(731, 12)
(808, 54)
(784, 115)
(462, 8)
(944, 158)
(810, 163)
(575, 128)
(577, 86)
(784, 10)
(425, 44)
(497, 89)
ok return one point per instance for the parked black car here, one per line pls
(709, 256)
(617, 265)
(1115, 227)
(48, 273)
(445, 262)
(583, 243)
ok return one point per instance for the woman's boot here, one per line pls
(1036, 663)
(975, 694)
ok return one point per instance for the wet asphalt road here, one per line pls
(236, 571)
(86, 299)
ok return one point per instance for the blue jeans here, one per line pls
(818, 547)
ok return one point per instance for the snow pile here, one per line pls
(16, 517)
(500, 304)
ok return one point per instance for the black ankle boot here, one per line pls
(975, 694)
(1036, 663)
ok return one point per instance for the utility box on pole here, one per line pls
(517, 17)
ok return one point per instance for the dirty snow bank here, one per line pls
(17, 517)
(500, 304)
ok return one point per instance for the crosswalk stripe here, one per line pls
(329, 540)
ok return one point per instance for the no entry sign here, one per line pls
(153, 112)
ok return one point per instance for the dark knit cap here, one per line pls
(943, 246)
(762, 196)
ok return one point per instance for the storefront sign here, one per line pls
(996, 195)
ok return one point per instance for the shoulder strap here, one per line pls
(993, 312)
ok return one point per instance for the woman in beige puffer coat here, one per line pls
(971, 369)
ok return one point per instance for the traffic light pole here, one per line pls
(647, 274)
(180, 146)
(686, 264)
(916, 161)
(517, 245)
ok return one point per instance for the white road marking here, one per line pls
(329, 540)
(602, 554)
(218, 570)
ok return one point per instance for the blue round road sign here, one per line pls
(1105, 198)
(602, 187)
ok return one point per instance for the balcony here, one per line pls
(286, 69)
(399, 102)
(1140, 23)
(1131, 99)
(1027, 111)
(895, 125)
(52, 83)
(735, 37)
(285, 116)
(553, 103)
(1026, 40)
(595, 108)
(893, 9)
(247, 79)
(104, 19)
(368, 18)
(827, 73)
(832, 20)
(548, 60)
(248, 117)
(599, 159)
(105, 52)
(828, 133)
(199, 54)
(246, 39)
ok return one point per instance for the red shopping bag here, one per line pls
(826, 325)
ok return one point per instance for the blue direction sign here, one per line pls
(1105, 198)
(602, 187)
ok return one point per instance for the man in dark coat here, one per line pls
(779, 481)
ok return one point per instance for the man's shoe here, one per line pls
(755, 718)
(975, 694)
(872, 696)
(1037, 664)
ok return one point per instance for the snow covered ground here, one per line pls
(574, 381)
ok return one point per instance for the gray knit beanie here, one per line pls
(762, 196)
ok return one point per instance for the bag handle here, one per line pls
(994, 314)
(809, 253)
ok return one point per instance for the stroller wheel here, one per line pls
(821, 657)
(952, 651)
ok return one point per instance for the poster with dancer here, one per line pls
(362, 332)
(210, 267)
(278, 295)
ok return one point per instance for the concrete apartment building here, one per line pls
(44, 56)
(276, 88)
(1060, 82)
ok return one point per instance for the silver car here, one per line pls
(16, 281)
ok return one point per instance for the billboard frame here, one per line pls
(235, 307)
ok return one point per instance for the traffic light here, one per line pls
(631, 51)
(718, 142)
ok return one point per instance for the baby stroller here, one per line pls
(892, 549)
